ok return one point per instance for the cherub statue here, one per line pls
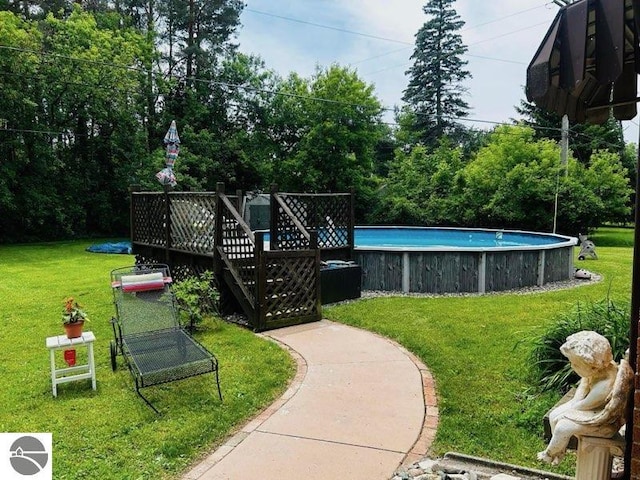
(598, 406)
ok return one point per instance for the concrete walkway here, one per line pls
(359, 407)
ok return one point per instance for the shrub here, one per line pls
(550, 369)
(198, 296)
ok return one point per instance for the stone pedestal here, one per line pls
(595, 456)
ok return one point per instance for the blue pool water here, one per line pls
(416, 237)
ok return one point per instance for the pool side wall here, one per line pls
(462, 271)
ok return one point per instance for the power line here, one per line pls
(504, 60)
(44, 132)
(328, 27)
(408, 44)
(219, 83)
(193, 79)
(77, 59)
(507, 34)
(379, 56)
(482, 57)
(387, 39)
(505, 17)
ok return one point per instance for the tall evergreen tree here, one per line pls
(435, 91)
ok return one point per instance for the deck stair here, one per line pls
(273, 288)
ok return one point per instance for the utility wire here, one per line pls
(219, 83)
(409, 44)
(193, 79)
(507, 34)
(45, 132)
(328, 27)
(387, 39)
(481, 57)
(546, 4)
(380, 55)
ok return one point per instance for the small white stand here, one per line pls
(595, 456)
(61, 375)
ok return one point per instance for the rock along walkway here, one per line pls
(359, 407)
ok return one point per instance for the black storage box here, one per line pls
(340, 281)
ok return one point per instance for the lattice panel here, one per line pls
(328, 214)
(149, 218)
(193, 222)
(182, 271)
(291, 287)
(240, 250)
(147, 259)
(181, 268)
(288, 236)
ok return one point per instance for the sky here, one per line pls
(376, 37)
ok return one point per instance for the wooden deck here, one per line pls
(196, 232)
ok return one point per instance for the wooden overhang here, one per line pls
(588, 62)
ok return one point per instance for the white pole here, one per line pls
(564, 156)
(564, 145)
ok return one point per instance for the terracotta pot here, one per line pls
(74, 330)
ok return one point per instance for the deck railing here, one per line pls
(331, 215)
(236, 245)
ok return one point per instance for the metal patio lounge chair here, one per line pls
(147, 330)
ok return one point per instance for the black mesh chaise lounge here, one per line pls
(147, 330)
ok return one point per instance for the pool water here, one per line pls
(416, 237)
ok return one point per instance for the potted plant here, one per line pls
(73, 318)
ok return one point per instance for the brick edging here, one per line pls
(431, 413)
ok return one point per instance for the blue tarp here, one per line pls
(118, 247)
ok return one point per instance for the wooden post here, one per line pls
(132, 213)
(313, 243)
(259, 322)
(217, 262)
(239, 202)
(167, 213)
(273, 221)
(352, 222)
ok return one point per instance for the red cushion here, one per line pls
(143, 286)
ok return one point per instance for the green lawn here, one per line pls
(111, 433)
(473, 346)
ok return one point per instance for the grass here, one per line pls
(476, 347)
(473, 345)
(110, 433)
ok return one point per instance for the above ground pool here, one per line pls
(446, 238)
(456, 260)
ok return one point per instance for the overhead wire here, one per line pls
(410, 44)
(505, 17)
(209, 82)
(131, 68)
(328, 27)
(481, 57)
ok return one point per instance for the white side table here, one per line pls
(79, 372)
